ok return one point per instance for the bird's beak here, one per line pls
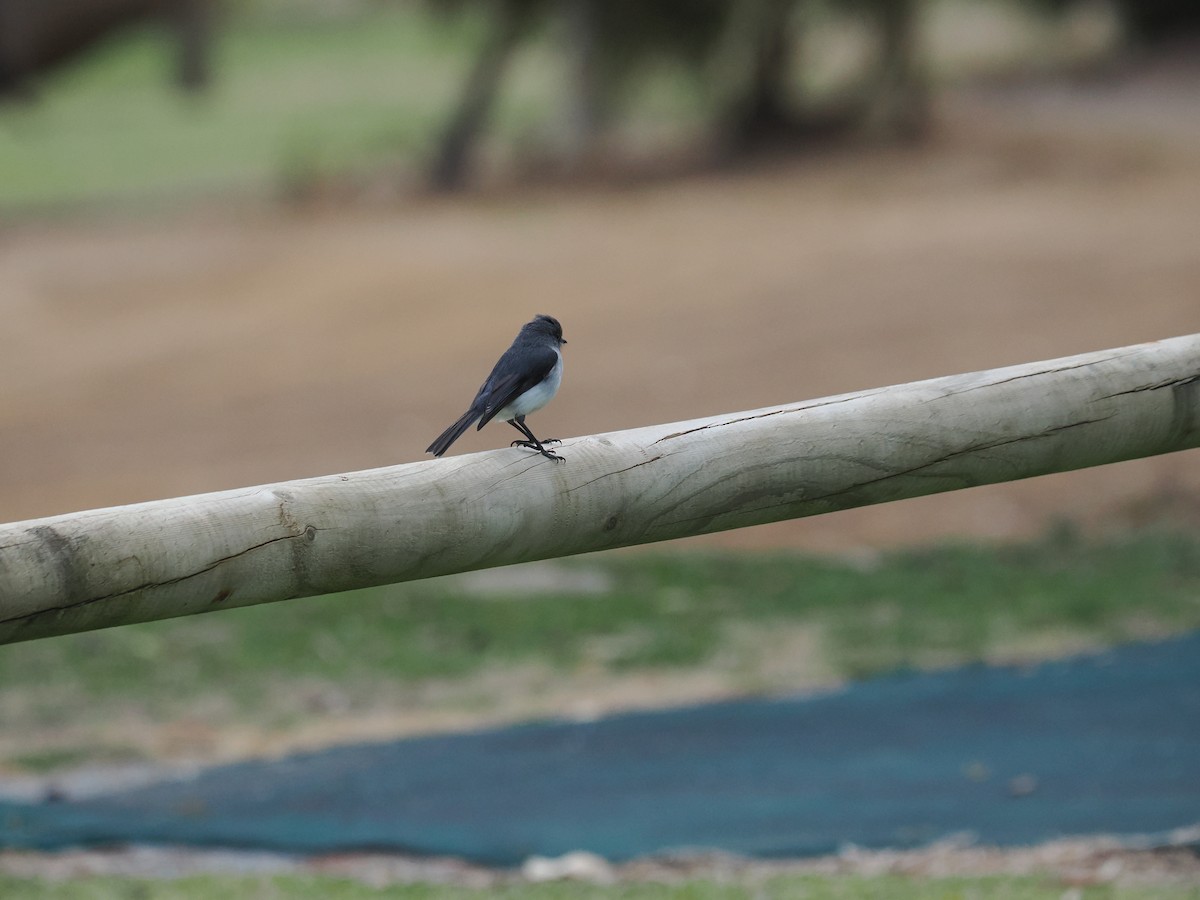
(564, 340)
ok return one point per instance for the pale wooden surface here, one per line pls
(234, 548)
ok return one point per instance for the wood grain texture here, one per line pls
(215, 551)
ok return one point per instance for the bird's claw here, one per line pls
(530, 445)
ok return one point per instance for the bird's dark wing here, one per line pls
(509, 381)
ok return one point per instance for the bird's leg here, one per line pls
(533, 443)
(524, 429)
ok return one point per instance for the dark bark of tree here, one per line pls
(762, 111)
(37, 35)
(1161, 21)
(192, 21)
(450, 165)
(587, 113)
(900, 107)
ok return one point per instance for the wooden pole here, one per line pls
(197, 554)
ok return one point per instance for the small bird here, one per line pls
(523, 380)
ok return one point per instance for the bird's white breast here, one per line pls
(537, 396)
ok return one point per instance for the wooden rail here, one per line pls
(176, 557)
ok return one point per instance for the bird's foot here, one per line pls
(534, 445)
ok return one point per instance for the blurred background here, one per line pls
(260, 240)
(256, 240)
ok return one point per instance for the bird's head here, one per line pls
(547, 325)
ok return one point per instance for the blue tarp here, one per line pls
(1106, 743)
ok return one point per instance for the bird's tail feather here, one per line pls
(453, 433)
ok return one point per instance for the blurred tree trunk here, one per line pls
(1161, 21)
(454, 149)
(192, 21)
(900, 105)
(766, 105)
(761, 110)
(38, 35)
(587, 113)
(16, 55)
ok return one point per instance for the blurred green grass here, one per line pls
(810, 887)
(658, 611)
(305, 94)
(292, 101)
(295, 102)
